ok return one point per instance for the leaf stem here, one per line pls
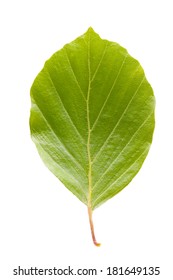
(92, 227)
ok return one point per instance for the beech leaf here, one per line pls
(92, 118)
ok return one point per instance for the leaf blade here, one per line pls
(101, 108)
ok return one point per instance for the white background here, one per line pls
(42, 223)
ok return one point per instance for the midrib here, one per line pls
(89, 157)
(88, 149)
(89, 129)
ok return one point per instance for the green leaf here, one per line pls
(92, 118)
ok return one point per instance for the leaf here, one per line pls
(92, 118)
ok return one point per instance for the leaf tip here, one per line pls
(90, 29)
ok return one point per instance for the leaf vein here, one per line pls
(74, 75)
(89, 130)
(133, 136)
(103, 54)
(68, 115)
(121, 175)
(121, 117)
(67, 173)
(56, 136)
(114, 83)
